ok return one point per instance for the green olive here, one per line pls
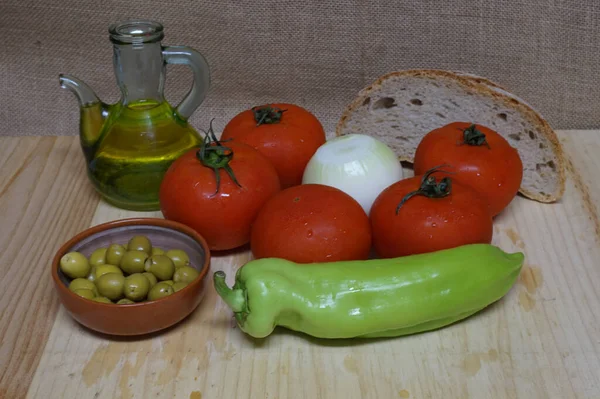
(161, 266)
(125, 301)
(170, 282)
(179, 286)
(92, 275)
(185, 274)
(114, 253)
(111, 285)
(101, 299)
(151, 278)
(133, 261)
(75, 265)
(88, 294)
(98, 257)
(157, 251)
(105, 269)
(179, 257)
(83, 284)
(160, 290)
(136, 287)
(140, 243)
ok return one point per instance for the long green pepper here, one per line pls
(372, 298)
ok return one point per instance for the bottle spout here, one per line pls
(93, 112)
(85, 95)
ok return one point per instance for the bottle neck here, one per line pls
(139, 69)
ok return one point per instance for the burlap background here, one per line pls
(314, 53)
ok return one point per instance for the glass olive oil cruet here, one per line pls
(129, 145)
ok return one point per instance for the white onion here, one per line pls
(357, 164)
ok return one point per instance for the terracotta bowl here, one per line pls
(143, 317)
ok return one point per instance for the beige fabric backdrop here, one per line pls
(314, 53)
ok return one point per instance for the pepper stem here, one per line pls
(267, 114)
(216, 156)
(234, 298)
(430, 187)
(472, 136)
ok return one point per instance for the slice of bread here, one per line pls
(401, 107)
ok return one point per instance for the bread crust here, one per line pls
(483, 87)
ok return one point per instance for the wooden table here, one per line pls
(541, 341)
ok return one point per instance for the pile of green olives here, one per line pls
(126, 274)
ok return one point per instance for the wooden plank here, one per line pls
(44, 200)
(540, 341)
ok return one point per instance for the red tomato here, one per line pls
(311, 223)
(424, 224)
(494, 169)
(188, 194)
(289, 138)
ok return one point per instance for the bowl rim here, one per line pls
(134, 221)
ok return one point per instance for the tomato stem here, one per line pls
(430, 187)
(267, 114)
(216, 156)
(472, 136)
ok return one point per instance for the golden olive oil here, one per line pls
(136, 146)
(129, 145)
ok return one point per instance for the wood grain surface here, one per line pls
(541, 341)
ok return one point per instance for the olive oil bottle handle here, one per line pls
(183, 55)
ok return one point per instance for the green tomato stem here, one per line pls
(430, 187)
(267, 114)
(216, 156)
(234, 298)
(472, 136)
